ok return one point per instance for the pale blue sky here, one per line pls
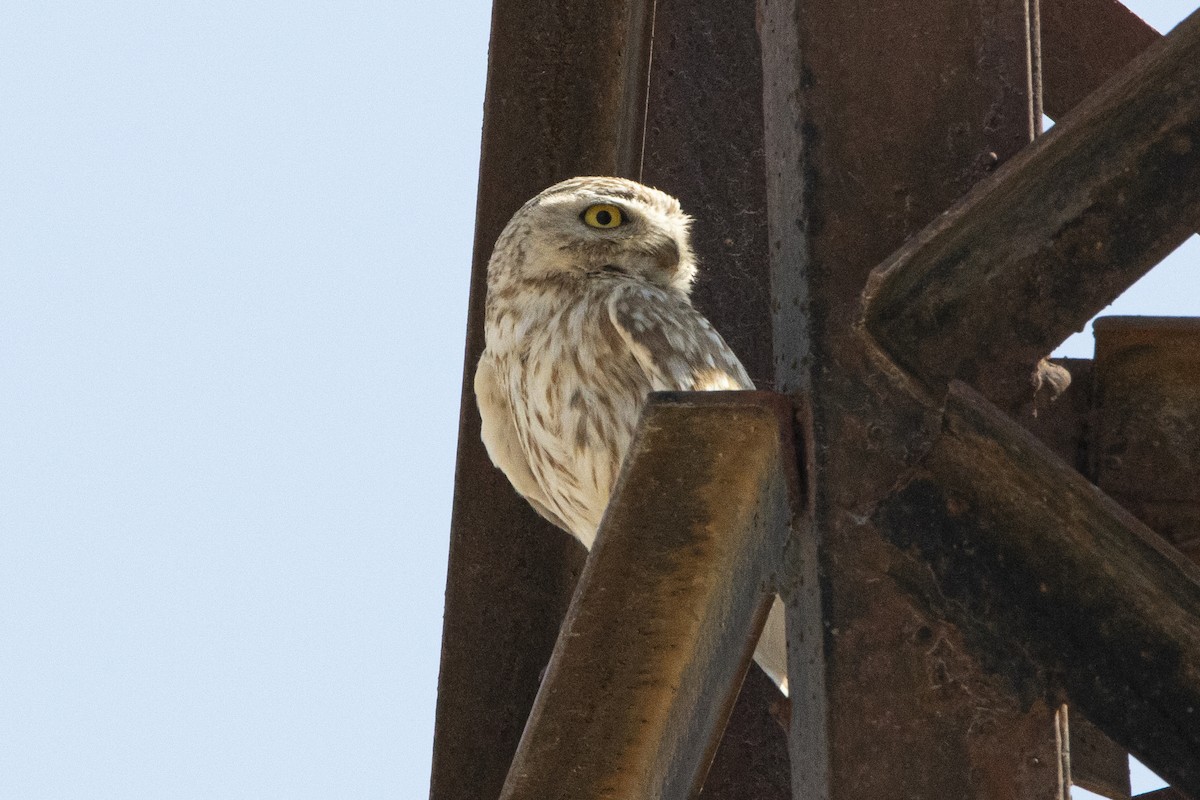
(235, 240)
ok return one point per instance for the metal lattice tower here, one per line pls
(891, 250)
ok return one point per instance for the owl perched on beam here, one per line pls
(588, 311)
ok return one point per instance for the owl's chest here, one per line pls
(573, 380)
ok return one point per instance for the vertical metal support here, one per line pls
(704, 144)
(565, 96)
(1085, 43)
(1146, 423)
(1146, 444)
(861, 152)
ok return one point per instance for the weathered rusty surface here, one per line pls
(1146, 449)
(565, 95)
(663, 625)
(1055, 584)
(877, 121)
(1096, 762)
(1084, 43)
(751, 763)
(704, 144)
(1144, 360)
(1145, 439)
(945, 82)
(1062, 229)
(1166, 793)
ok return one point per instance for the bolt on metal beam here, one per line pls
(668, 609)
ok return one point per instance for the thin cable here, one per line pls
(1035, 63)
(646, 104)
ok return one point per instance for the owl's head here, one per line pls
(598, 227)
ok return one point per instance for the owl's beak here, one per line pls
(666, 254)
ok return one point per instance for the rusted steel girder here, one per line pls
(997, 282)
(1166, 793)
(877, 120)
(703, 144)
(1058, 587)
(1146, 438)
(1136, 434)
(669, 606)
(1098, 764)
(565, 96)
(1084, 43)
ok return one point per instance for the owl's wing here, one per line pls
(674, 344)
(502, 442)
(771, 651)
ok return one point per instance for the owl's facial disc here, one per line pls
(611, 235)
(607, 227)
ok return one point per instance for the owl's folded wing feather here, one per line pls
(673, 343)
(502, 442)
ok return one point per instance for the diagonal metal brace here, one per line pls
(667, 612)
(1064, 227)
(1057, 588)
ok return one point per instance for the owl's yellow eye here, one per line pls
(603, 215)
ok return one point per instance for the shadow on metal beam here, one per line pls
(1057, 587)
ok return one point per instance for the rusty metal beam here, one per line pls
(862, 152)
(1166, 793)
(998, 281)
(565, 96)
(1097, 763)
(1055, 584)
(1146, 438)
(1130, 422)
(704, 144)
(669, 606)
(1084, 43)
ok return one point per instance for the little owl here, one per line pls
(588, 311)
